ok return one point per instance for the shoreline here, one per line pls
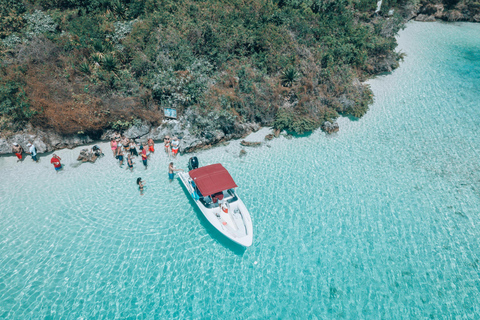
(257, 136)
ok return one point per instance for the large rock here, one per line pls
(425, 18)
(138, 131)
(4, 146)
(431, 9)
(454, 15)
(44, 141)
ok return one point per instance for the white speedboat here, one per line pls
(213, 190)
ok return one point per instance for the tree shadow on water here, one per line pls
(211, 230)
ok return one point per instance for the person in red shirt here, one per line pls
(144, 155)
(56, 162)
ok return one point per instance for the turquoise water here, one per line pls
(378, 221)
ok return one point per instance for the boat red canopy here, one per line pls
(212, 179)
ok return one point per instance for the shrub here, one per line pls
(289, 77)
(38, 23)
(110, 63)
(14, 104)
(85, 68)
(121, 31)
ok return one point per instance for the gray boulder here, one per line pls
(137, 131)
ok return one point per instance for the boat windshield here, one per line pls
(228, 196)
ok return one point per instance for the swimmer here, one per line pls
(141, 184)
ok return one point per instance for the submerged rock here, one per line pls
(243, 153)
(269, 136)
(250, 144)
(329, 127)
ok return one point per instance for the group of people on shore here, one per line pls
(120, 146)
(55, 160)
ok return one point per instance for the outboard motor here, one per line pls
(192, 163)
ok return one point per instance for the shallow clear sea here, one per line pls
(378, 221)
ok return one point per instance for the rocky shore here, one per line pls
(48, 140)
(461, 12)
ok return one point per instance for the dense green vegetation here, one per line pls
(85, 65)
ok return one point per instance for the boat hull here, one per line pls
(233, 222)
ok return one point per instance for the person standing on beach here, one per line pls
(175, 144)
(120, 155)
(133, 148)
(166, 143)
(113, 145)
(130, 162)
(18, 150)
(56, 162)
(171, 170)
(144, 156)
(151, 145)
(126, 144)
(33, 151)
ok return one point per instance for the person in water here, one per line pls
(166, 144)
(18, 150)
(171, 170)
(113, 145)
(175, 144)
(56, 162)
(130, 162)
(140, 184)
(33, 151)
(151, 145)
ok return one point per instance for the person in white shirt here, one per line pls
(175, 143)
(33, 151)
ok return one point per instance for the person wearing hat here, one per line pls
(33, 151)
(18, 150)
(56, 162)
